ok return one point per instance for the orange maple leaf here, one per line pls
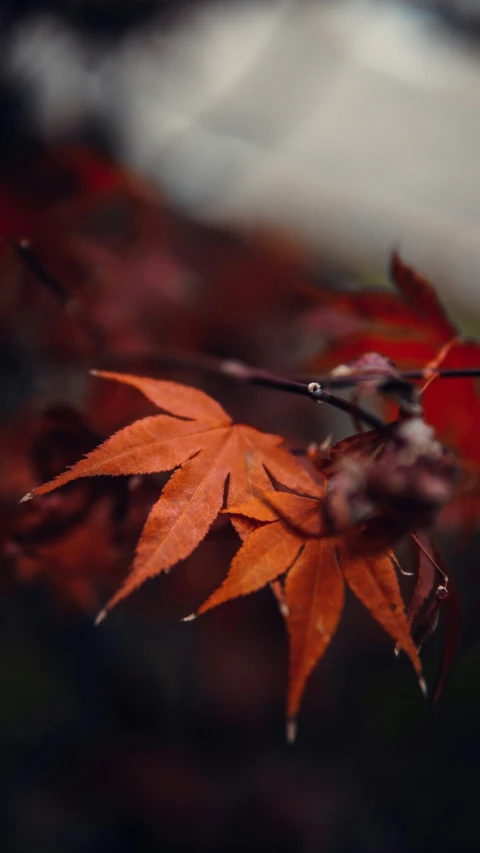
(293, 541)
(206, 450)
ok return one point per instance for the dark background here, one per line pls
(148, 734)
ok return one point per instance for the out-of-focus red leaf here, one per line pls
(410, 327)
(421, 296)
(453, 407)
(140, 276)
(79, 564)
(79, 543)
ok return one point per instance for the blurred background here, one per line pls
(187, 171)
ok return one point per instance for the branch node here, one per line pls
(315, 390)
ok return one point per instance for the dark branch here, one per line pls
(313, 389)
(244, 373)
(354, 378)
(24, 251)
(57, 289)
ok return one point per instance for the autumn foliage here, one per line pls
(311, 522)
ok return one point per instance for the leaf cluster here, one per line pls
(310, 523)
(306, 533)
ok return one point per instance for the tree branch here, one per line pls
(314, 390)
(71, 306)
(237, 370)
(354, 378)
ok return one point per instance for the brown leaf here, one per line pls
(429, 622)
(373, 579)
(297, 544)
(265, 555)
(314, 598)
(271, 549)
(425, 577)
(272, 505)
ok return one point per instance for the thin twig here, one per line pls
(355, 378)
(236, 369)
(254, 376)
(68, 301)
(429, 557)
(23, 250)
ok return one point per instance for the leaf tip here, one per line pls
(291, 730)
(189, 618)
(423, 686)
(101, 616)
(26, 497)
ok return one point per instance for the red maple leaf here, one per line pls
(411, 327)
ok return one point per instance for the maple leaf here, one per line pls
(79, 542)
(410, 327)
(430, 601)
(376, 486)
(93, 228)
(77, 562)
(407, 326)
(293, 540)
(425, 577)
(210, 454)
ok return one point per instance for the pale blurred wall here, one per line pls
(354, 122)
